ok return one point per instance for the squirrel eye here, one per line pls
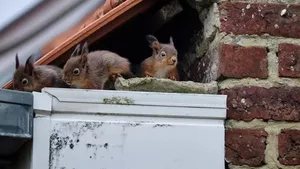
(163, 54)
(76, 71)
(24, 81)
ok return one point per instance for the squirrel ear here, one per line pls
(84, 53)
(85, 49)
(76, 51)
(154, 42)
(29, 66)
(156, 45)
(83, 60)
(171, 40)
(17, 61)
(151, 38)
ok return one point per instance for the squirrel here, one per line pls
(163, 62)
(30, 77)
(91, 70)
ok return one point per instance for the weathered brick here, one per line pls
(198, 70)
(260, 18)
(245, 147)
(240, 62)
(289, 147)
(247, 103)
(289, 60)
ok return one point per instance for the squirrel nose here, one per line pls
(174, 60)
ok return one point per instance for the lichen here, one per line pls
(118, 100)
(165, 85)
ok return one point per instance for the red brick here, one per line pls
(245, 147)
(289, 147)
(260, 18)
(289, 60)
(241, 62)
(248, 103)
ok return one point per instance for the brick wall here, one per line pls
(253, 50)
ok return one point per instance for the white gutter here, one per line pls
(125, 129)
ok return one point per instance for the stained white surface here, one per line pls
(42, 103)
(139, 98)
(151, 103)
(153, 138)
(120, 144)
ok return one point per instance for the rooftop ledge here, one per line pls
(130, 103)
(166, 85)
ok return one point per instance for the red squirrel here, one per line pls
(30, 77)
(163, 62)
(91, 70)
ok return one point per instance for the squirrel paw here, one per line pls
(172, 78)
(115, 76)
(148, 76)
(99, 13)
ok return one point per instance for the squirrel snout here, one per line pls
(66, 80)
(173, 60)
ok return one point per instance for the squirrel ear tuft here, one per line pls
(155, 45)
(17, 61)
(76, 51)
(29, 66)
(85, 49)
(83, 60)
(171, 40)
(84, 54)
(151, 38)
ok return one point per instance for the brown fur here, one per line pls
(163, 62)
(95, 68)
(38, 77)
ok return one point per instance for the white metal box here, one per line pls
(94, 129)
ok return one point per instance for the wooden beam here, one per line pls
(98, 33)
(96, 29)
(87, 31)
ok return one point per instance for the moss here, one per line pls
(118, 100)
